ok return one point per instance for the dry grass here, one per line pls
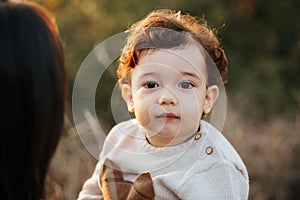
(270, 152)
(70, 167)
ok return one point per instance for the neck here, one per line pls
(158, 140)
(163, 141)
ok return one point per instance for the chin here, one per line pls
(167, 133)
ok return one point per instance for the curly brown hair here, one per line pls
(164, 28)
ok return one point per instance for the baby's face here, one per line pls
(169, 94)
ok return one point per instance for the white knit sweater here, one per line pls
(204, 167)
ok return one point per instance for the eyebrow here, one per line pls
(149, 73)
(182, 73)
(194, 75)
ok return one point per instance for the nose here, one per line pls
(167, 98)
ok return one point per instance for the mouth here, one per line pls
(168, 116)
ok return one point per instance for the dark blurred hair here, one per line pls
(32, 87)
(164, 28)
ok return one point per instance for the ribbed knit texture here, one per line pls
(185, 171)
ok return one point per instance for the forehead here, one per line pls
(189, 58)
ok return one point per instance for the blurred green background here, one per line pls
(261, 39)
(262, 42)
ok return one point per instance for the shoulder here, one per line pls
(123, 137)
(219, 170)
(121, 133)
(220, 181)
(125, 128)
(219, 150)
(217, 158)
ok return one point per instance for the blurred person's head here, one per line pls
(32, 86)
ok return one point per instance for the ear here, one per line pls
(212, 94)
(127, 96)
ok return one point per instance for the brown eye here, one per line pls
(150, 84)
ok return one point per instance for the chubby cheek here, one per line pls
(146, 112)
(192, 115)
(192, 103)
(142, 108)
(142, 115)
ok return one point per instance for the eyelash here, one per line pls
(190, 85)
(153, 84)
